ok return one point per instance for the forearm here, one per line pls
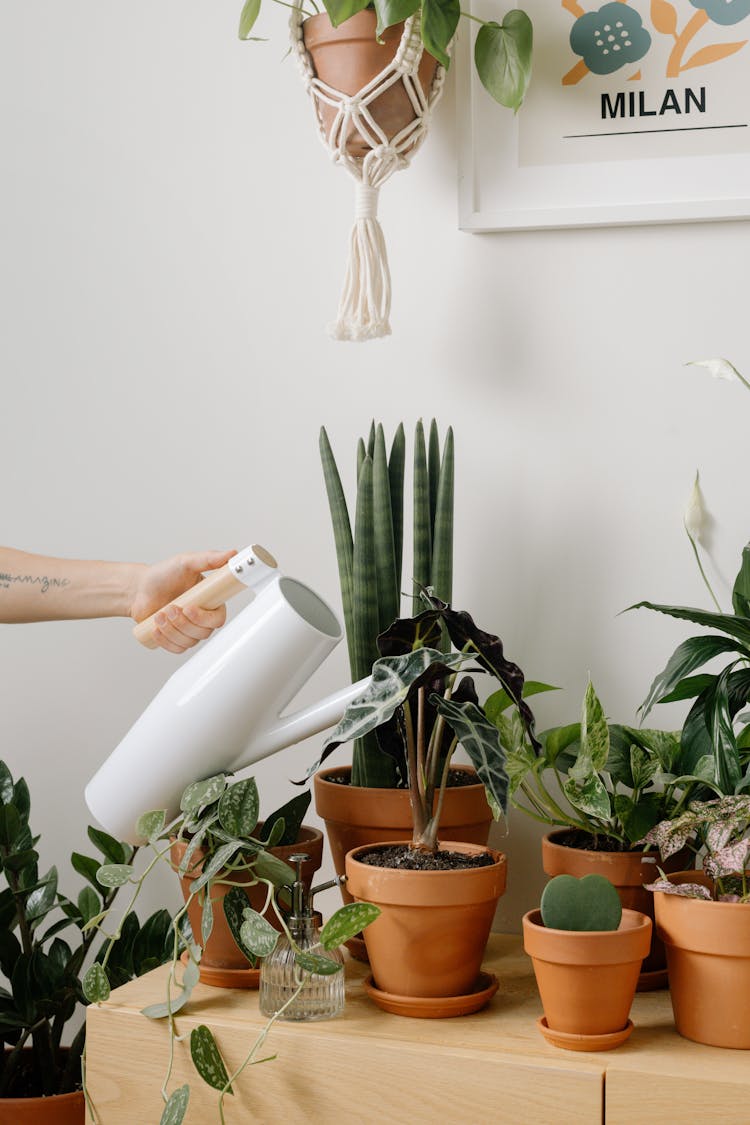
(37, 588)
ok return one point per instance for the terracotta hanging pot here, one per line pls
(430, 937)
(347, 58)
(628, 871)
(357, 815)
(587, 979)
(708, 954)
(222, 963)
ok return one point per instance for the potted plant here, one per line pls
(218, 818)
(604, 785)
(369, 801)
(422, 710)
(502, 52)
(587, 953)
(40, 1079)
(703, 918)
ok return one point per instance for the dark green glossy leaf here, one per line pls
(235, 903)
(10, 825)
(439, 22)
(207, 1058)
(41, 900)
(481, 741)
(637, 818)
(112, 850)
(737, 627)
(500, 701)
(688, 688)
(6, 784)
(502, 55)
(22, 798)
(691, 654)
(410, 633)
(741, 590)
(89, 904)
(292, 814)
(19, 861)
(87, 867)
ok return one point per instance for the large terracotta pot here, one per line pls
(222, 963)
(356, 815)
(587, 979)
(433, 928)
(348, 57)
(60, 1109)
(628, 871)
(708, 954)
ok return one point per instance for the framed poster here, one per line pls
(638, 112)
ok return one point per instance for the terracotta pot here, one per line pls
(221, 952)
(60, 1109)
(586, 979)
(708, 954)
(628, 871)
(348, 57)
(433, 928)
(355, 816)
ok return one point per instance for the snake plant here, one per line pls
(370, 553)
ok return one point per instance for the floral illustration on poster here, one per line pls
(633, 79)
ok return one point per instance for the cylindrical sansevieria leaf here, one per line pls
(361, 454)
(385, 562)
(422, 566)
(371, 439)
(441, 577)
(433, 470)
(396, 463)
(342, 536)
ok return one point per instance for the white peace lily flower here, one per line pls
(698, 520)
(719, 369)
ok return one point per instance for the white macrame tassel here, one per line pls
(365, 303)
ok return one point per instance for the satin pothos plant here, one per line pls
(422, 707)
(502, 50)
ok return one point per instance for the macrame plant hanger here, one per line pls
(365, 304)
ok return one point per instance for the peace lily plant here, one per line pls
(219, 821)
(502, 51)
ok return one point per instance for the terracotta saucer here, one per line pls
(569, 1041)
(649, 982)
(227, 978)
(435, 1007)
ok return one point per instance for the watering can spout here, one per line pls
(225, 708)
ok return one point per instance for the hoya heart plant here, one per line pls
(589, 903)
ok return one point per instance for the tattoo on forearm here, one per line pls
(41, 580)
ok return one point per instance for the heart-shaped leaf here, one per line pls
(590, 903)
(95, 984)
(207, 1058)
(235, 904)
(202, 793)
(114, 874)
(346, 922)
(176, 1107)
(257, 934)
(238, 808)
(148, 828)
(316, 963)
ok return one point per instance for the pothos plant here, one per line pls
(422, 709)
(609, 782)
(219, 819)
(719, 830)
(40, 959)
(502, 50)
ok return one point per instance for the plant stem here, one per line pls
(702, 571)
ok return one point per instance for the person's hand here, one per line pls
(177, 629)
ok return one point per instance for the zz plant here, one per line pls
(219, 819)
(45, 939)
(369, 549)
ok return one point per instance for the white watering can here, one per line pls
(223, 708)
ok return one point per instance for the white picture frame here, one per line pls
(684, 160)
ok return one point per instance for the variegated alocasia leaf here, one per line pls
(481, 741)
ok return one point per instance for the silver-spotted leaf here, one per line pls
(114, 874)
(257, 934)
(238, 808)
(346, 922)
(207, 1058)
(149, 826)
(202, 793)
(95, 984)
(176, 1107)
(316, 963)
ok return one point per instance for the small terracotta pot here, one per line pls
(348, 57)
(628, 871)
(60, 1109)
(586, 979)
(357, 815)
(221, 952)
(433, 928)
(708, 954)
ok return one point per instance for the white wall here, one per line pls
(173, 244)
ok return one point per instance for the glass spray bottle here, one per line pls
(280, 976)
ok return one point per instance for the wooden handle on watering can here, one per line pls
(255, 564)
